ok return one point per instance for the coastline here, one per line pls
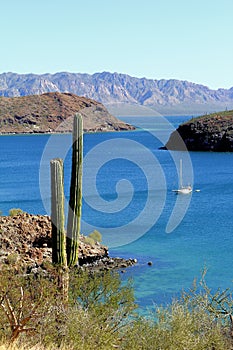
(26, 240)
(63, 133)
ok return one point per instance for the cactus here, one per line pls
(75, 202)
(57, 213)
(65, 248)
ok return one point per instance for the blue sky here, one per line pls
(180, 39)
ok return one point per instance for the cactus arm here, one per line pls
(57, 213)
(75, 202)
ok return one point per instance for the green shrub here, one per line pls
(100, 314)
(176, 327)
(98, 306)
(12, 258)
(15, 211)
(25, 300)
(89, 240)
(101, 293)
(96, 236)
(93, 237)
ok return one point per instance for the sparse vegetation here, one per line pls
(100, 314)
(12, 258)
(15, 211)
(96, 236)
(32, 309)
(89, 240)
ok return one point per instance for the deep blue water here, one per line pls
(133, 214)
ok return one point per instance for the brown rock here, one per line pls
(51, 112)
(29, 236)
(26, 238)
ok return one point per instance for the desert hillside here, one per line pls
(51, 112)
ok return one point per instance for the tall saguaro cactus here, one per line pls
(65, 245)
(75, 202)
(57, 213)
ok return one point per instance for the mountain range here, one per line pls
(123, 94)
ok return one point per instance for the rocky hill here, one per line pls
(123, 94)
(50, 112)
(213, 132)
(27, 239)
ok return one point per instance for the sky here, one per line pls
(156, 39)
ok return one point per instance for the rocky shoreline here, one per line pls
(25, 239)
(212, 133)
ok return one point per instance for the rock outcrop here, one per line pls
(213, 132)
(53, 112)
(26, 239)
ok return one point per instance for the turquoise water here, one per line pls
(133, 215)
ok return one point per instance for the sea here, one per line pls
(128, 196)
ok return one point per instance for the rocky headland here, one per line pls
(25, 239)
(52, 113)
(212, 132)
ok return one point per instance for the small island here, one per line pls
(211, 132)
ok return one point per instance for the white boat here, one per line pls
(182, 189)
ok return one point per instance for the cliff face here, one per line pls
(122, 93)
(213, 132)
(50, 112)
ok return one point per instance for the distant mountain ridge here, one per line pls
(121, 93)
